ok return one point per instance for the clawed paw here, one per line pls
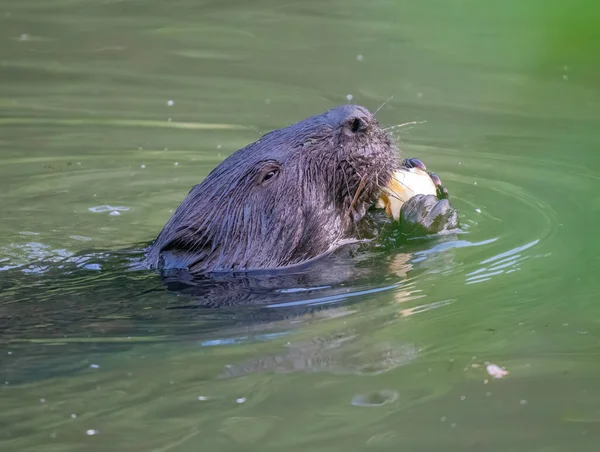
(414, 163)
(441, 191)
(425, 214)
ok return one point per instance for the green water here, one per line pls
(130, 103)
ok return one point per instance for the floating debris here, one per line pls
(496, 371)
(107, 208)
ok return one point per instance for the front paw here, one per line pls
(441, 191)
(427, 214)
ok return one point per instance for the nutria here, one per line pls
(292, 196)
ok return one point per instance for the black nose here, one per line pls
(355, 117)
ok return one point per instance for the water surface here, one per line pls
(111, 110)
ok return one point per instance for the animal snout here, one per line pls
(354, 117)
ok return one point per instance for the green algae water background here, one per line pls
(111, 110)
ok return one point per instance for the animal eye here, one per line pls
(267, 174)
(356, 124)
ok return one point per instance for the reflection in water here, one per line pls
(128, 104)
(503, 263)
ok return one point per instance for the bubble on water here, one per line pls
(443, 419)
(203, 398)
(169, 119)
(142, 166)
(359, 57)
(487, 394)
(114, 213)
(24, 37)
(91, 432)
(523, 402)
(53, 435)
(94, 366)
(219, 146)
(474, 183)
(349, 97)
(478, 210)
(10, 353)
(240, 400)
(462, 397)
(42, 400)
(73, 416)
(375, 398)
(453, 425)
(170, 103)
(176, 164)
(565, 77)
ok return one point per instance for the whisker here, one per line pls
(346, 180)
(405, 124)
(395, 194)
(385, 102)
(361, 185)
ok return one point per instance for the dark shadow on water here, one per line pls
(95, 304)
(97, 293)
